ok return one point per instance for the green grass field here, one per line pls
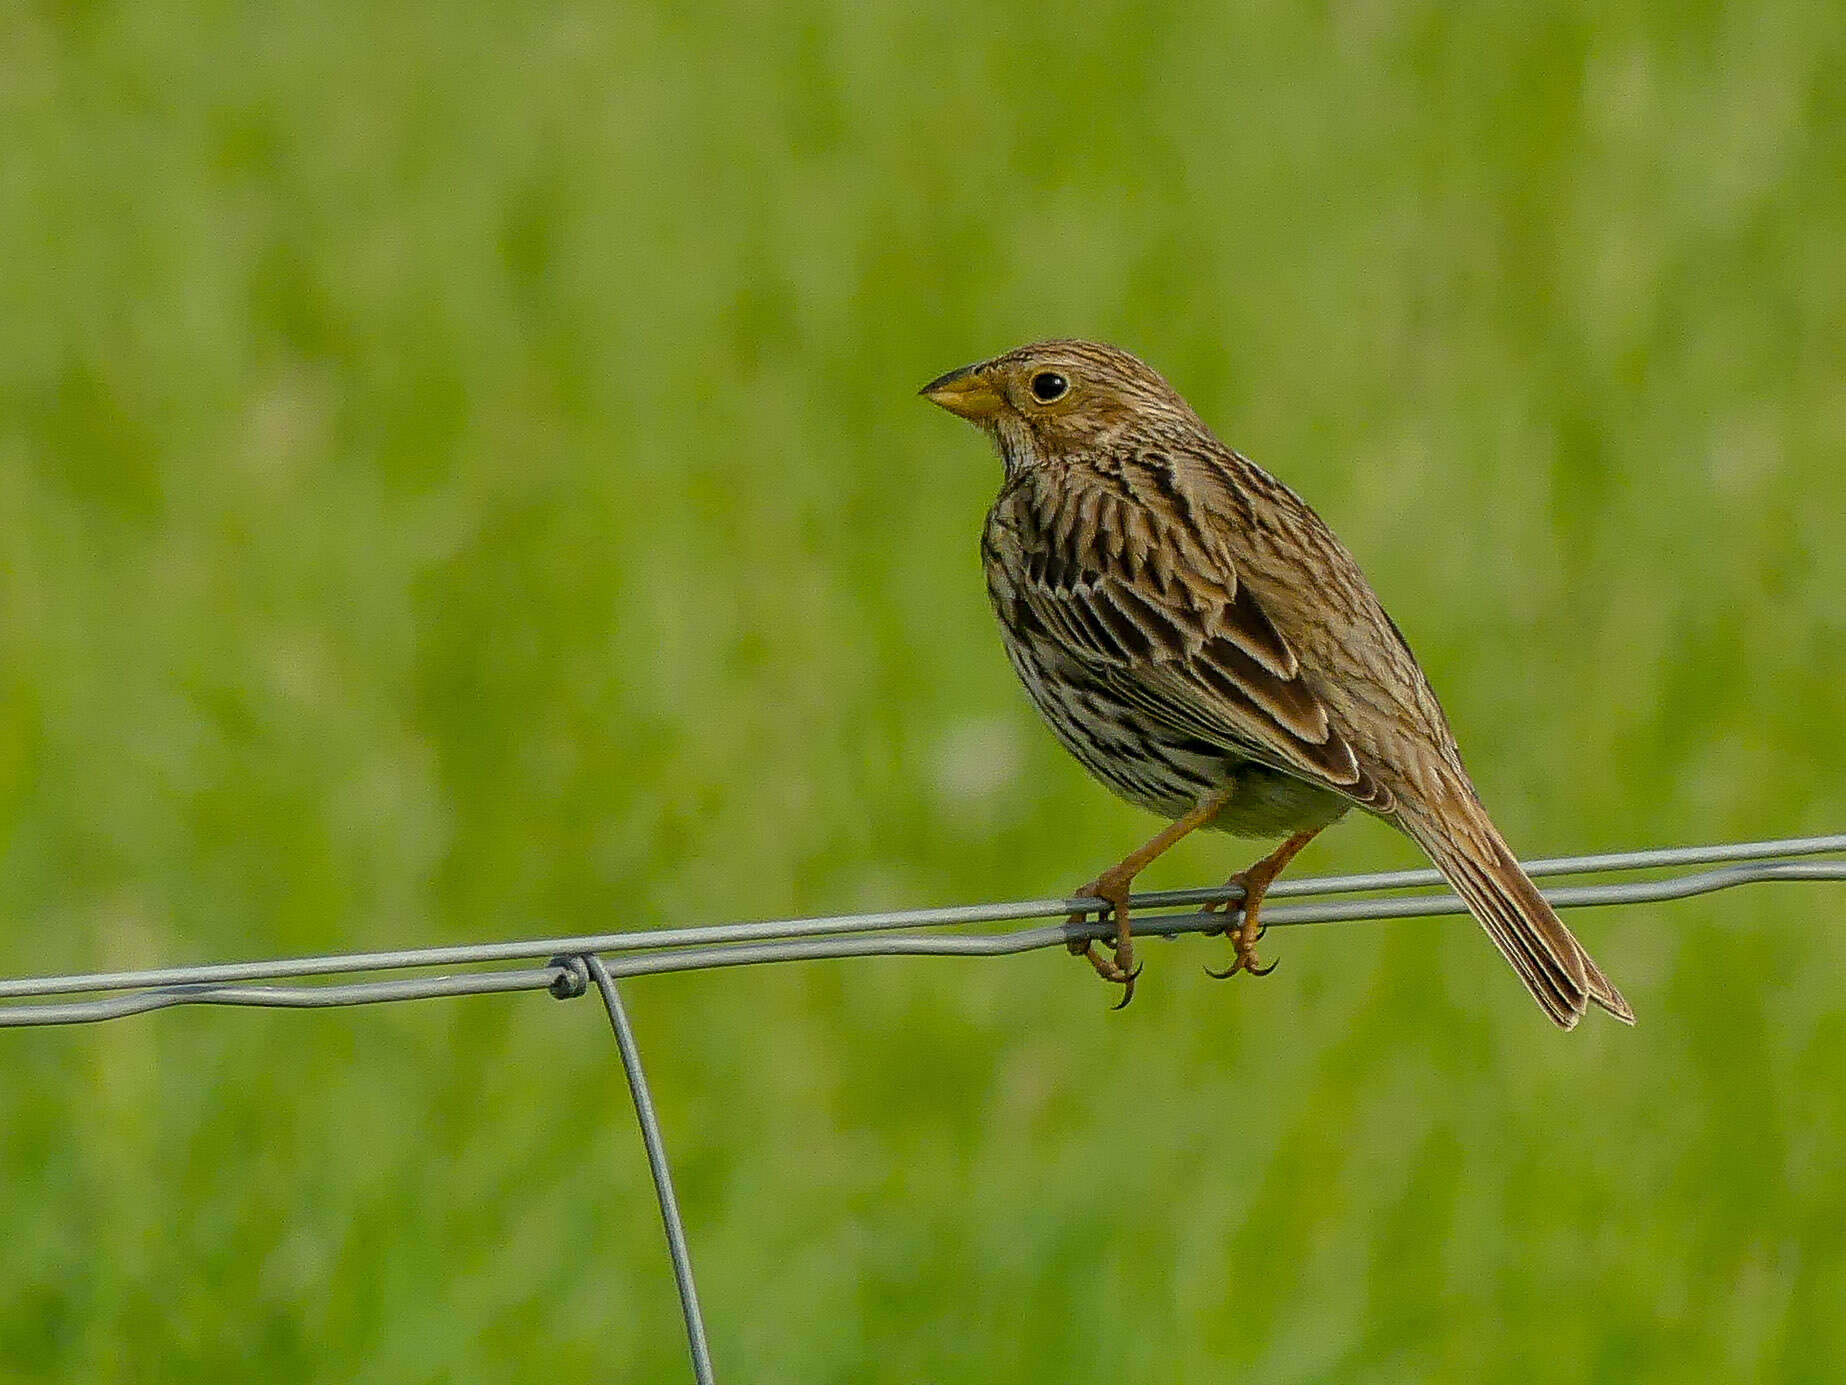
(461, 478)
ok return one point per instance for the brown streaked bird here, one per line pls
(1199, 639)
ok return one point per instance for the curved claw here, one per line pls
(1240, 965)
(1128, 991)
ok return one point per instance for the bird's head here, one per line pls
(1055, 398)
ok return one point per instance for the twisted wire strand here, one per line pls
(649, 952)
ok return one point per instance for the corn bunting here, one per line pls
(1199, 639)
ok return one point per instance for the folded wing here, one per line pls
(1157, 612)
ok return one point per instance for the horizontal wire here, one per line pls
(1715, 853)
(891, 920)
(281, 997)
(1176, 925)
(867, 935)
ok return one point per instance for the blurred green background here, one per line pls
(460, 478)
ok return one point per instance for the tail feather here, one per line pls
(1482, 869)
(1603, 992)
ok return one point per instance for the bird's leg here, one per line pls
(1255, 883)
(1112, 888)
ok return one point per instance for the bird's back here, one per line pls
(1312, 588)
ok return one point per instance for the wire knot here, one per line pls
(573, 977)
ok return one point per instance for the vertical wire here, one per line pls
(657, 1162)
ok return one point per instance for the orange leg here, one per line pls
(1112, 888)
(1255, 883)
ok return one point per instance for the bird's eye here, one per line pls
(1048, 386)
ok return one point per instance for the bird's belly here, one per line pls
(1165, 772)
(1268, 803)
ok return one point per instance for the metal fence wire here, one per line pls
(567, 967)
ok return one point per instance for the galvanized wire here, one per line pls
(656, 1146)
(643, 952)
(572, 962)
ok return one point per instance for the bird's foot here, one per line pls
(1244, 939)
(1118, 966)
(1254, 883)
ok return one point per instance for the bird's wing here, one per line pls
(1155, 610)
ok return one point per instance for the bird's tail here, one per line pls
(1482, 869)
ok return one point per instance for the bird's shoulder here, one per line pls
(1110, 514)
(1184, 520)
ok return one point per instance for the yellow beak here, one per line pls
(965, 392)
